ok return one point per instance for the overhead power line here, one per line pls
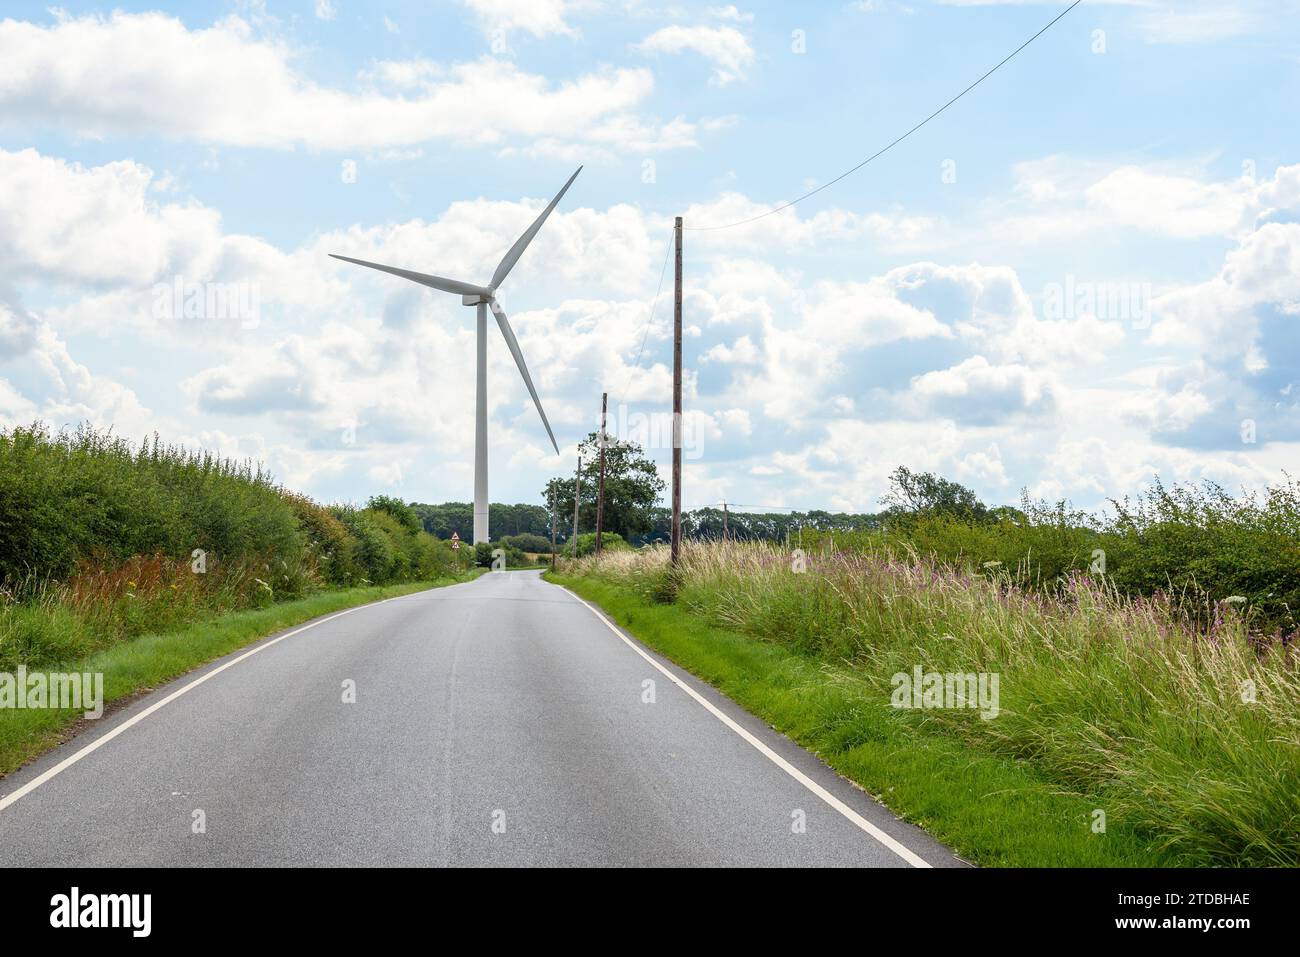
(654, 303)
(886, 149)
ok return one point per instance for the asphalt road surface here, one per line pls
(498, 722)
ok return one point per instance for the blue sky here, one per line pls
(1085, 273)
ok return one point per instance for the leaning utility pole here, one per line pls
(552, 528)
(676, 538)
(577, 496)
(600, 492)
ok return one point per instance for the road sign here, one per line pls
(455, 541)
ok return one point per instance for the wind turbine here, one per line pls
(484, 297)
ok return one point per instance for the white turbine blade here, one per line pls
(517, 250)
(437, 282)
(509, 335)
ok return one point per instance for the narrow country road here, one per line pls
(498, 722)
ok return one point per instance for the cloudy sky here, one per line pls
(1084, 274)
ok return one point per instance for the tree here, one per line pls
(632, 489)
(924, 493)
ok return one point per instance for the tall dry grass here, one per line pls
(48, 622)
(1188, 729)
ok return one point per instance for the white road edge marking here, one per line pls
(99, 742)
(854, 817)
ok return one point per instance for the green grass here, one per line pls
(148, 661)
(1185, 731)
(992, 809)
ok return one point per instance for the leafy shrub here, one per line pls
(528, 543)
(332, 549)
(403, 513)
(609, 541)
(65, 496)
(514, 557)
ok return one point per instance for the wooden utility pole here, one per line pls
(677, 395)
(600, 491)
(552, 528)
(724, 521)
(577, 497)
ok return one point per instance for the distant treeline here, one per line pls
(704, 523)
(708, 524)
(520, 519)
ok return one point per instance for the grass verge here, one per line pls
(991, 809)
(144, 663)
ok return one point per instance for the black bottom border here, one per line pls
(942, 908)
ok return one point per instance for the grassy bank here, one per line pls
(145, 662)
(1189, 744)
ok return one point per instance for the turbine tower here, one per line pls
(484, 297)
